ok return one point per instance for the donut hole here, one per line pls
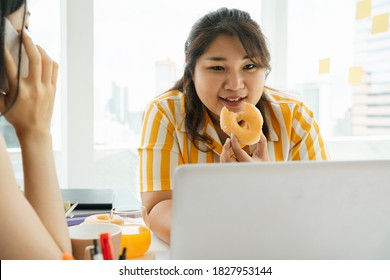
(103, 217)
(243, 124)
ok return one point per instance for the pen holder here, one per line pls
(136, 235)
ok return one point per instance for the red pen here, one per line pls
(107, 248)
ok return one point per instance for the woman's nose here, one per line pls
(234, 81)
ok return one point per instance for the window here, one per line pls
(339, 63)
(350, 94)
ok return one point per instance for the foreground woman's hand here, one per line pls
(231, 151)
(34, 104)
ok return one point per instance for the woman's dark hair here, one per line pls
(223, 21)
(8, 7)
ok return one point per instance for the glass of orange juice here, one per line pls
(136, 236)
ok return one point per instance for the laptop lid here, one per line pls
(289, 210)
(89, 199)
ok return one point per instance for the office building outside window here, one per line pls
(340, 66)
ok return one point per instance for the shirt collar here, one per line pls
(274, 105)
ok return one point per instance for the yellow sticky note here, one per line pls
(363, 9)
(355, 75)
(380, 23)
(324, 66)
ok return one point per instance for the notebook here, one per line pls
(327, 210)
(89, 199)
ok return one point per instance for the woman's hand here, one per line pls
(34, 104)
(231, 151)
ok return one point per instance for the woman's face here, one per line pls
(16, 18)
(225, 76)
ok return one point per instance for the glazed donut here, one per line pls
(246, 125)
(103, 218)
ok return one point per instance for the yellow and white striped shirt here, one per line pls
(293, 135)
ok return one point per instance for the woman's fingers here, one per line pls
(261, 152)
(226, 152)
(232, 152)
(34, 104)
(47, 66)
(54, 74)
(41, 66)
(34, 57)
(239, 153)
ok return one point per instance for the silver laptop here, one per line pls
(296, 210)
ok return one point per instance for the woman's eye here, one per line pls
(217, 68)
(249, 66)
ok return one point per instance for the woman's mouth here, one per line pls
(232, 101)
